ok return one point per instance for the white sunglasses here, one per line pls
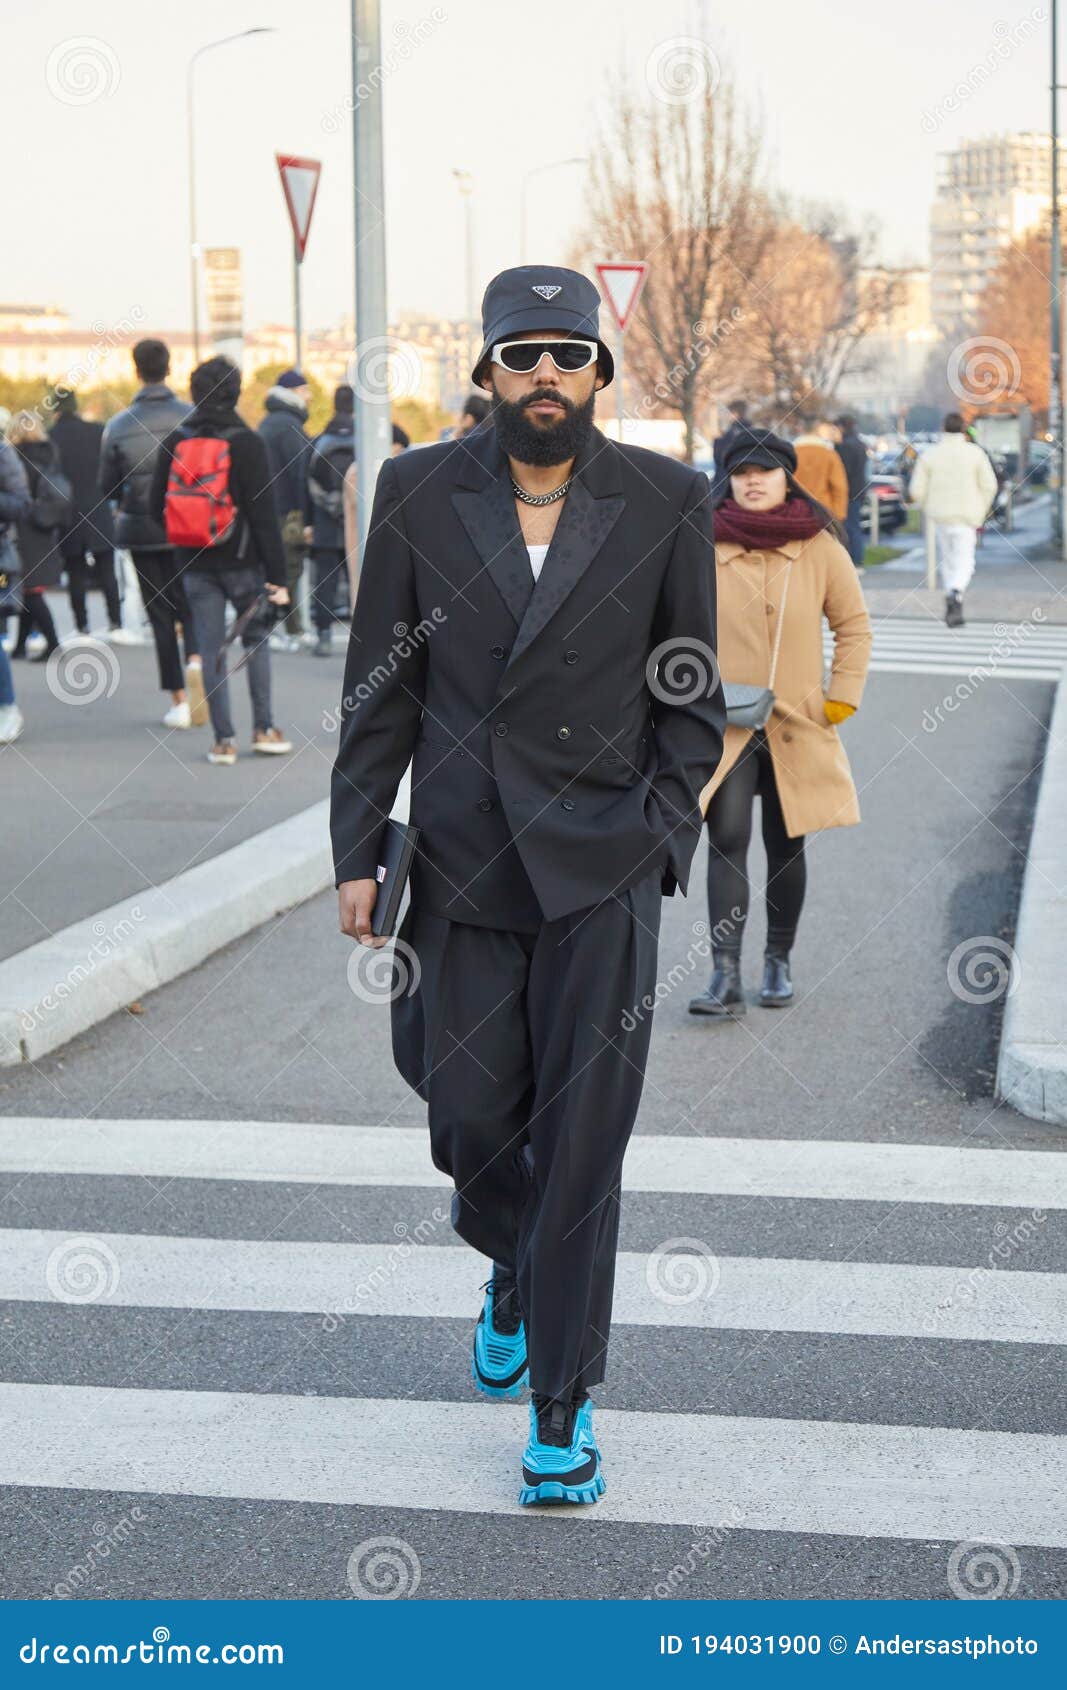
(522, 357)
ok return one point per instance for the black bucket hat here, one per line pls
(756, 446)
(541, 296)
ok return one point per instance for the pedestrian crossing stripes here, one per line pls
(840, 1475)
(341, 1154)
(777, 1475)
(678, 1288)
(1000, 650)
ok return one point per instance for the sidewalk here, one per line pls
(102, 802)
(1014, 574)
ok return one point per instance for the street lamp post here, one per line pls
(538, 169)
(194, 245)
(1056, 417)
(465, 184)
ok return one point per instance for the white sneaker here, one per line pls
(178, 716)
(11, 723)
(279, 642)
(121, 636)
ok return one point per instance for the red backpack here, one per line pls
(198, 510)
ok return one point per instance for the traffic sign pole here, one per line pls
(621, 284)
(300, 185)
(298, 331)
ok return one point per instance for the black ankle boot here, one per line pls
(725, 995)
(777, 988)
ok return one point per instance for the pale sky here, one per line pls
(93, 100)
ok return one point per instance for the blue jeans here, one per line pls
(207, 593)
(857, 541)
(7, 684)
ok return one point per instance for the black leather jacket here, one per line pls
(128, 458)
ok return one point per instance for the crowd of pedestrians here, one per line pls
(74, 493)
(212, 514)
(954, 484)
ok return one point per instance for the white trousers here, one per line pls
(955, 550)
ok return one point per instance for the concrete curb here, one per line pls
(84, 973)
(1032, 1069)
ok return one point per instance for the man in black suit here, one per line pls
(535, 627)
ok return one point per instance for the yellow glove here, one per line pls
(836, 711)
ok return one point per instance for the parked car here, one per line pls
(888, 488)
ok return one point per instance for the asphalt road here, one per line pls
(873, 1432)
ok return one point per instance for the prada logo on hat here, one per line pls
(546, 290)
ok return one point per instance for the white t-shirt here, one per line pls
(537, 558)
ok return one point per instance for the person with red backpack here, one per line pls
(212, 490)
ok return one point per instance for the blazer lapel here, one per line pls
(485, 504)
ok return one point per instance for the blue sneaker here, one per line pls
(498, 1365)
(561, 1462)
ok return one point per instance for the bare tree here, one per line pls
(673, 181)
(814, 300)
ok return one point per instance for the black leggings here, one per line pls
(729, 822)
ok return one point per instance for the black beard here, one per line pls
(533, 443)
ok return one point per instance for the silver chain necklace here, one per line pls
(540, 498)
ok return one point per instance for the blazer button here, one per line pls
(769, 608)
(570, 657)
(497, 651)
(787, 734)
(563, 733)
(501, 729)
(567, 804)
(485, 803)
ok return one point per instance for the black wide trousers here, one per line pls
(530, 1051)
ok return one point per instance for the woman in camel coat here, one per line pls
(769, 531)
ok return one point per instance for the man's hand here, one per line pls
(355, 905)
(277, 595)
(309, 535)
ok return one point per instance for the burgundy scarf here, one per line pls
(794, 520)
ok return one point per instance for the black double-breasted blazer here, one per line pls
(560, 732)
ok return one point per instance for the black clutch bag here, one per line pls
(397, 849)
